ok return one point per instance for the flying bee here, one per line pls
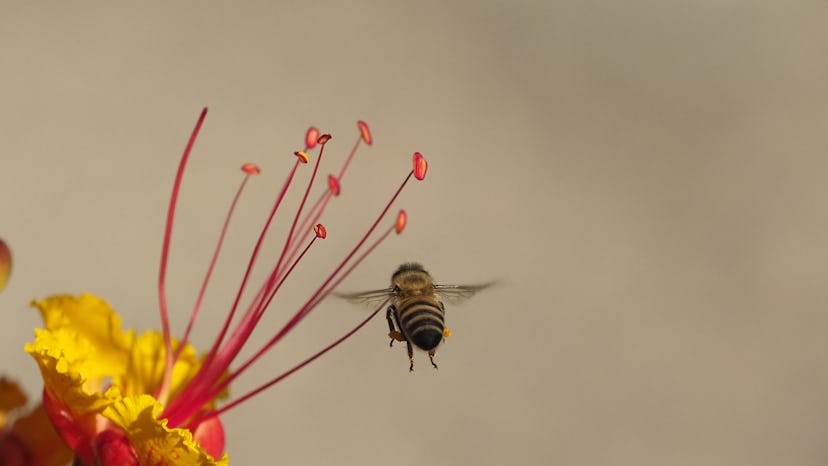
(416, 314)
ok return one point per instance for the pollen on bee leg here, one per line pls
(250, 169)
(446, 332)
(395, 335)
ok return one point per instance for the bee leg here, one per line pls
(431, 356)
(395, 335)
(410, 356)
(392, 331)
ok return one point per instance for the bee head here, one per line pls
(411, 279)
(406, 267)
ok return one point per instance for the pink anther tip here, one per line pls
(402, 218)
(420, 166)
(311, 136)
(364, 132)
(251, 169)
(333, 185)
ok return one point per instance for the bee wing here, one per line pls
(369, 298)
(459, 293)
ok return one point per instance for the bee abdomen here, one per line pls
(422, 322)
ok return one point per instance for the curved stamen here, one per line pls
(163, 390)
(250, 170)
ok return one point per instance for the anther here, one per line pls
(402, 218)
(333, 185)
(311, 136)
(303, 157)
(365, 132)
(323, 139)
(251, 169)
(420, 166)
(320, 231)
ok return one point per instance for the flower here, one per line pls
(120, 397)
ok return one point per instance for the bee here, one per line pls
(416, 314)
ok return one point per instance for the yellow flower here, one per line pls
(117, 397)
(97, 379)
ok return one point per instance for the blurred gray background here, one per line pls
(647, 180)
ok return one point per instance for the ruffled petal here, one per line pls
(94, 321)
(72, 376)
(153, 441)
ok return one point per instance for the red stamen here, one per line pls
(356, 146)
(295, 368)
(196, 396)
(320, 294)
(310, 138)
(187, 408)
(215, 364)
(353, 266)
(250, 170)
(365, 132)
(312, 216)
(207, 370)
(333, 185)
(402, 218)
(420, 166)
(163, 389)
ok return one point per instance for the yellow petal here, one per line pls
(93, 320)
(71, 373)
(147, 358)
(146, 361)
(153, 441)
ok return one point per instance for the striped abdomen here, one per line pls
(422, 321)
